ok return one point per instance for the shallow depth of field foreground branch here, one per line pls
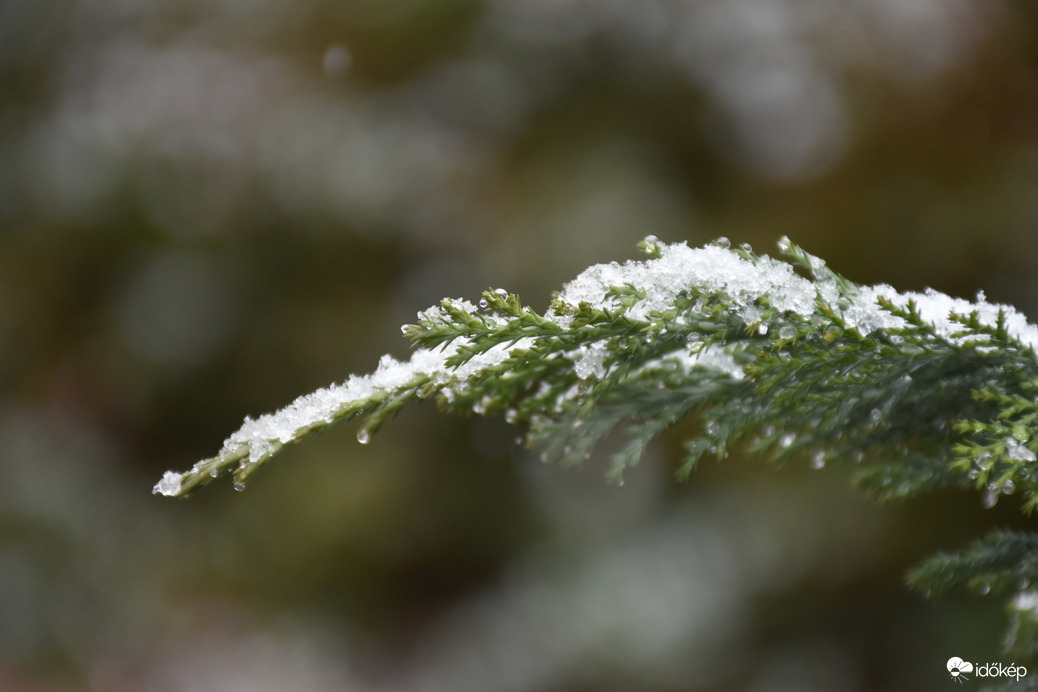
(787, 359)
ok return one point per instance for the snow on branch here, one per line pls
(779, 357)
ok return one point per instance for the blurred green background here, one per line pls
(209, 208)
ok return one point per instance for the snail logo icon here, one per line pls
(958, 668)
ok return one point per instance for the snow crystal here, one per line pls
(589, 361)
(262, 436)
(169, 485)
(936, 308)
(716, 269)
(679, 267)
(713, 358)
(1018, 452)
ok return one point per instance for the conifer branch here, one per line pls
(786, 359)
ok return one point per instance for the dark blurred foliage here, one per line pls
(209, 208)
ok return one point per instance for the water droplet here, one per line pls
(747, 247)
(404, 328)
(693, 343)
(501, 292)
(984, 588)
(363, 436)
(511, 415)
(818, 460)
(787, 331)
(786, 440)
(239, 485)
(1008, 487)
(711, 427)
(763, 328)
(875, 414)
(483, 302)
(214, 473)
(651, 240)
(723, 242)
(990, 497)
(974, 473)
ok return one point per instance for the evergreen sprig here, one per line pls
(786, 359)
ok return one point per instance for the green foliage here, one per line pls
(857, 377)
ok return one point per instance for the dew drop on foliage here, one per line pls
(712, 427)
(787, 440)
(239, 485)
(818, 460)
(483, 302)
(723, 242)
(990, 497)
(363, 436)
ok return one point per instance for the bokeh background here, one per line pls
(209, 208)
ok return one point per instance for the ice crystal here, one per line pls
(712, 268)
(169, 485)
(590, 361)
(1017, 452)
